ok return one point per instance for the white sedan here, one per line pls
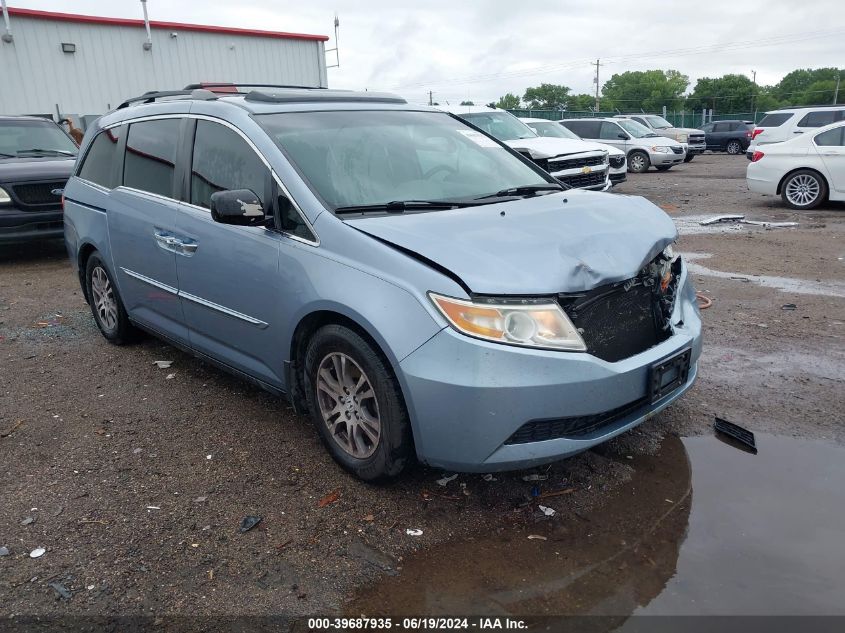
(804, 171)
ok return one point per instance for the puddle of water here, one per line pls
(701, 528)
(784, 284)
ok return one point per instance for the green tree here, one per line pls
(649, 90)
(508, 102)
(581, 103)
(467, 103)
(800, 86)
(728, 93)
(546, 97)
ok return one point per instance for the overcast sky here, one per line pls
(480, 50)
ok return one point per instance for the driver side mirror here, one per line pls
(623, 136)
(240, 207)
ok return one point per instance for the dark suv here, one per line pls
(732, 137)
(36, 159)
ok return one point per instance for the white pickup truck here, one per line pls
(695, 140)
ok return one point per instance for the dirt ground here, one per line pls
(135, 479)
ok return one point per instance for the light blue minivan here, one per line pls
(417, 287)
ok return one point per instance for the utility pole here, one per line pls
(598, 64)
(754, 94)
(430, 98)
(836, 92)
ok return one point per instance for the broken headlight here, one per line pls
(5, 198)
(526, 322)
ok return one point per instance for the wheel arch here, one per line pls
(83, 255)
(797, 169)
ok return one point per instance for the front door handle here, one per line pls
(189, 248)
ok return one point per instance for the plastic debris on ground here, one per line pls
(789, 306)
(330, 498)
(489, 477)
(249, 522)
(4, 551)
(443, 481)
(61, 590)
(535, 477)
(744, 436)
(163, 364)
(536, 537)
(28, 521)
(734, 217)
(170, 376)
(720, 219)
(413, 532)
(549, 512)
(38, 552)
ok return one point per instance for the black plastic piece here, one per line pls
(322, 95)
(150, 97)
(735, 431)
(235, 84)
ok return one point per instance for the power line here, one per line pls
(694, 50)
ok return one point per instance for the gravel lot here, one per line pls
(137, 478)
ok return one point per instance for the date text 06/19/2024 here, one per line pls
(416, 624)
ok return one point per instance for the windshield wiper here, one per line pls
(524, 190)
(400, 206)
(38, 150)
(4, 155)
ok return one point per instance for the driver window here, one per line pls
(610, 131)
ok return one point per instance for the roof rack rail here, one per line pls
(152, 95)
(305, 96)
(234, 84)
(820, 105)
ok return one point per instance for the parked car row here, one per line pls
(422, 289)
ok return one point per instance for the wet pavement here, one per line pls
(702, 528)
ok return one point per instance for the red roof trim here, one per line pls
(93, 19)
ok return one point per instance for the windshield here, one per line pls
(34, 138)
(503, 125)
(637, 130)
(657, 122)
(367, 157)
(552, 128)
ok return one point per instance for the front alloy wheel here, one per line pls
(804, 189)
(733, 147)
(348, 405)
(638, 162)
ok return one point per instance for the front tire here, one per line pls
(803, 189)
(663, 167)
(733, 148)
(106, 304)
(356, 404)
(688, 157)
(638, 162)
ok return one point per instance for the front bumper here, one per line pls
(696, 149)
(618, 178)
(18, 226)
(666, 159)
(467, 397)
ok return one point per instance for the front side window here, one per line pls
(722, 127)
(98, 165)
(553, 129)
(151, 156)
(28, 137)
(658, 122)
(831, 138)
(610, 132)
(223, 161)
(820, 118)
(502, 125)
(636, 129)
(370, 157)
(708, 127)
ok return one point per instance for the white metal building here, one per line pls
(61, 63)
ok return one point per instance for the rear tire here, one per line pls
(733, 148)
(356, 404)
(803, 189)
(638, 162)
(106, 304)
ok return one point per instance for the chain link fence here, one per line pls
(678, 119)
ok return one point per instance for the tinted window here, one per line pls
(223, 161)
(99, 162)
(610, 131)
(775, 119)
(722, 127)
(292, 222)
(834, 137)
(151, 156)
(708, 128)
(820, 118)
(584, 129)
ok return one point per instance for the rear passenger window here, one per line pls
(820, 118)
(775, 119)
(151, 156)
(98, 164)
(831, 138)
(584, 129)
(223, 161)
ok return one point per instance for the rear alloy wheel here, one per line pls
(356, 404)
(733, 147)
(638, 162)
(804, 189)
(106, 305)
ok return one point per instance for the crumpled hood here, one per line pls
(534, 246)
(23, 169)
(548, 146)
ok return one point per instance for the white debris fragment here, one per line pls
(170, 376)
(535, 477)
(549, 512)
(38, 552)
(163, 364)
(413, 532)
(445, 480)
